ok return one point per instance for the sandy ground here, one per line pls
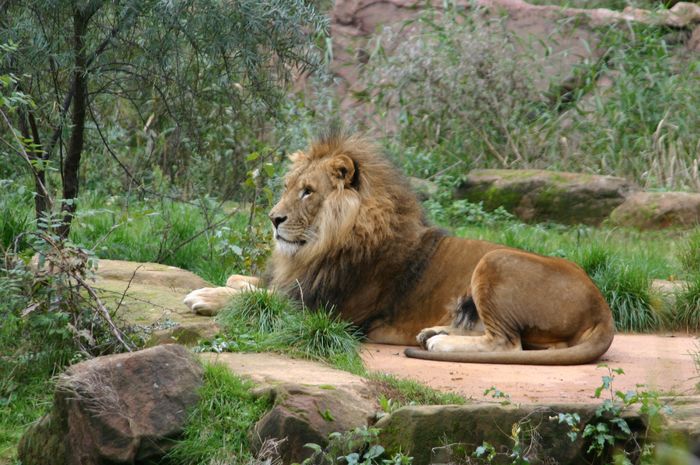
(664, 363)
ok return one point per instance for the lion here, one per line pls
(352, 236)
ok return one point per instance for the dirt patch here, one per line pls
(664, 363)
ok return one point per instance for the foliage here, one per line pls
(207, 237)
(217, 428)
(50, 317)
(357, 447)
(609, 435)
(444, 210)
(455, 87)
(463, 92)
(203, 80)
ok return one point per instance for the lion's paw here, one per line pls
(428, 333)
(440, 343)
(208, 300)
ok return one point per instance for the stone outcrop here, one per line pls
(150, 295)
(117, 409)
(448, 433)
(658, 210)
(540, 195)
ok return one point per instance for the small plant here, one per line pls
(319, 335)
(502, 397)
(258, 311)
(357, 447)
(609, 435)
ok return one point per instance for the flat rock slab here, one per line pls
(273, 369)
(661, 362)
(150, 295)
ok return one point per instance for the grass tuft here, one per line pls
(626, 287)
(217, 428)
(625, 284)
(321, 335)
(259, 311)
(268, 321)
(408, 392)
(689, 252)
(687, 315)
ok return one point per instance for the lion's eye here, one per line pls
(305, 192)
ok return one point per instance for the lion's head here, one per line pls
(344, 209)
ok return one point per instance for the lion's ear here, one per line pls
(343, 168)
(296, 156)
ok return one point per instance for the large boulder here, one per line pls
(657, 210)
(309, 414)
(116, 409)
(540, 195)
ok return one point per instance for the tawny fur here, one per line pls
(351, 236)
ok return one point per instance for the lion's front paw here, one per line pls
(208, 300)
(428, 333)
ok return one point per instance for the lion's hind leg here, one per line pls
(485, 343)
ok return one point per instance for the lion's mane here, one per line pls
(374, 243)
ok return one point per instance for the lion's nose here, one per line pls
(277, 220)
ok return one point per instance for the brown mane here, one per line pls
(388, 239)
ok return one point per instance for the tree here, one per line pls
(89, 63)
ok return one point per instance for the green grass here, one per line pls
(18, 409)
(204, 237)
(462, 96)
(408, 392)
(217, 428)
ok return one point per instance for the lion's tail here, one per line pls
(587, 351)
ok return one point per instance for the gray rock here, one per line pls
(116, 409)
(657, 210)
(540, 195)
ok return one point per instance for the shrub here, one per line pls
(456, 86)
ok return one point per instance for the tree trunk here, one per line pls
(30, 132)
(71, 162)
